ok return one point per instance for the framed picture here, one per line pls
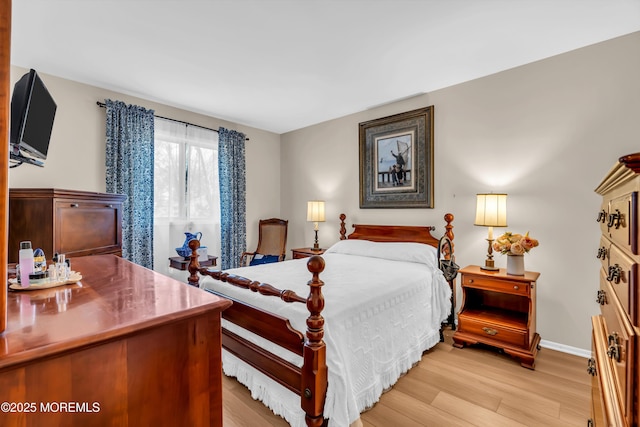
(396, 161)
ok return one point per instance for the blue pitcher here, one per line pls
(190, 237)
(185, 250)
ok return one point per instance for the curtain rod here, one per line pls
(103, 105)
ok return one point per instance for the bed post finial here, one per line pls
(194, 264)
(314, 370)
(448, 217)
(343, 229)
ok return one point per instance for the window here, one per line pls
(186, 190)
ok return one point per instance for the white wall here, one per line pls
(76, 158)
(544, 133)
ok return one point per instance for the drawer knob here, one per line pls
(591, 367)
(601, 298)
(615, 272)
(614, 348)
(470, 280)
(602, 253)
(74, 205)
(516, 287)
(110, 206)
(490, 331)
(615, 219)
(602, 216)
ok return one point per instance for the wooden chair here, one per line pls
(272, 242)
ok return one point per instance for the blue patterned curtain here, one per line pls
(233, 207)
(129, 164)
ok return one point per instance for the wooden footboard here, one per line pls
(310, 381)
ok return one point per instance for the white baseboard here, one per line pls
(566, 348)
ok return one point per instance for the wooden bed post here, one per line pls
(314, 371)
(449, 228)
(194, 264)
(449, 232)
(343, 228)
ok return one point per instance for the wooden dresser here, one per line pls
(74, 223)
(123, 347)
(615, 364)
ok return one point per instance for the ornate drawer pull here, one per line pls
(602, 253)
(591, 367)
(602, 216)
(490, 331)
(615, 219)
(614, 348)
(602, 297)
(615, 272)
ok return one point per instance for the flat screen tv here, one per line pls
(32, 112)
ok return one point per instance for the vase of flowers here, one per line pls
(514, 246)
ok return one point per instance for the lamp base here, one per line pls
(489, 265)
(316, 246)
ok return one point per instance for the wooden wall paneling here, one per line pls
(5, 63)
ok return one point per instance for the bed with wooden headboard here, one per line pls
(382, 303)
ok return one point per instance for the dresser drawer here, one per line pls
(620, 341)
(606, 406)
(622, 275)
(622, 222)
(503, 286)
(86, 227)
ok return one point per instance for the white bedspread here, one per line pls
(381, 313)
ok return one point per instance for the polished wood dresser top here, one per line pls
(124, 346)
(115, 297)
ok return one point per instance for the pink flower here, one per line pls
(517, 249)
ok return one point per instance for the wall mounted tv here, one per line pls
(32, 112)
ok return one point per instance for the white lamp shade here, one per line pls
(315, 211)
(491, 210)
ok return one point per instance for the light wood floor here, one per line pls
(473, 386)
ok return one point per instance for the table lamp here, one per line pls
(315, 214)
(491, 211)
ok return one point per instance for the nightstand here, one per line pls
(499, 310)
(305, 252)
(181, 263)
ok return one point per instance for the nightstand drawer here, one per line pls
(503, 286)
(488, 331)
(305, 252)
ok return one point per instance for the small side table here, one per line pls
(305, 252)
(499, 310)
(180, 263)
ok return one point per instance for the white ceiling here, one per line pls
(283, 65)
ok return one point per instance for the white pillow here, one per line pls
(420, 253)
